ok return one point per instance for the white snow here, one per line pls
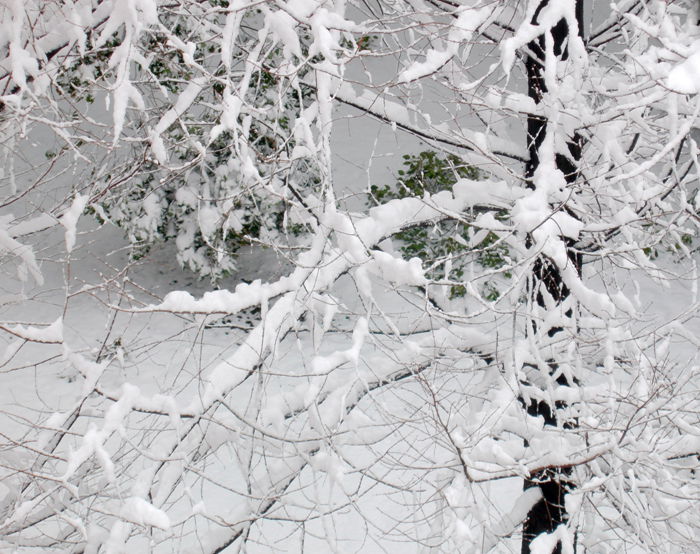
(398, 271)
(33, 225)
(465, 25)
(283, 27)
(50, 334)
(510, 521)
(685, 77)
(138, 510)
(183, 102)
(69, 219)
(547, 542)
(319, 384)
(25, 253)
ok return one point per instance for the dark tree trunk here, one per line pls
(554, 482)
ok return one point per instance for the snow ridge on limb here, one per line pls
(50, 334)
(365, 233)
(23, 252)
(317, 269)
(468, 21)
(366, 375)
(332, 404)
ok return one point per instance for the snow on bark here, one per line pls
(360, 372)
(466, 24)
(142, 512)
(182, 104)
(69, 220)
(25, 253)
(51, 334)
(399, 271)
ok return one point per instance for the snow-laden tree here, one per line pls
(543, 401)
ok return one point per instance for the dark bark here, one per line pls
(554, 482)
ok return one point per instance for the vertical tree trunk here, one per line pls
(550, 511)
